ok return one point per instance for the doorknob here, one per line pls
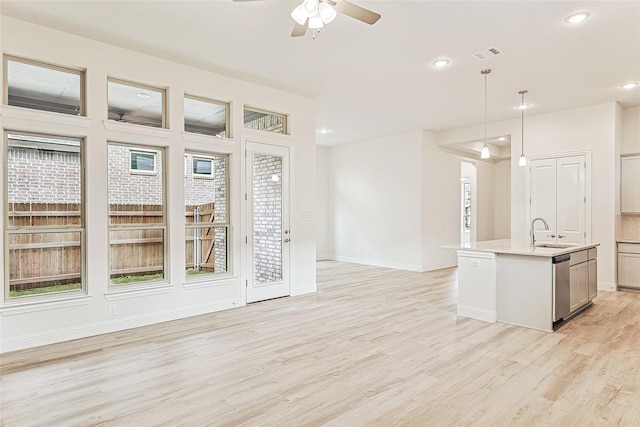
(551, 235)
(286, 231)
(286, 240)
(561, 236)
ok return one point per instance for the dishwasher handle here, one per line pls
(561, 258)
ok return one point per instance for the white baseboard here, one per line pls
(324, 257)
(84, 331)
(375, 263)
(477, 313)
(304, 290)
(607, 286)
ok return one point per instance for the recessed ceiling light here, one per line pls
(440, 63)
(523, 106)
(502, 138)
(144, 95)
(574, 18)
(630, 85)
(324, 131)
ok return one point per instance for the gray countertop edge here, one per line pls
(509, 247)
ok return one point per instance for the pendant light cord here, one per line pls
(522, 92)
(485, 72)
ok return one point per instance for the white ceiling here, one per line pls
(378, 80)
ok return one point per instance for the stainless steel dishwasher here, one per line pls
(561, 286)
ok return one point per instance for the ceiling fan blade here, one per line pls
(357, 12)
(300, 30)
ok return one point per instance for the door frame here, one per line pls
(587, 188)
(245, 217)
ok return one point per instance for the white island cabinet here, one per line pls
(514, 282)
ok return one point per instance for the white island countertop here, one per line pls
(518, 247)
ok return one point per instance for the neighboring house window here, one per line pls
(44, 216)
(143, 161)
(39, 86)
(137, 216)
(137, 104)
(206, 116)
(202, 166)
(207, 231)
(265, 120)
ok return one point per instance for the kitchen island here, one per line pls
(536, 286)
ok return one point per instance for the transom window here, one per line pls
(39, 86)
(265, 120)
(137, 104)
(206, 116)
(44, 216)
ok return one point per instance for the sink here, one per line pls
(553, 245)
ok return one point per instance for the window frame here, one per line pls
(10, 230)
(162, 90)
(163, 226)
(285, 118)
(143, 152)
(209, 175)
(226, 225)
(227, 105)
(81, 72)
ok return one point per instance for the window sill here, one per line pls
(113, 126)
(121, 294)
(208, 139)
(19, 113)
(42, 305)
(211, 282)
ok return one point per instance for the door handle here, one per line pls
(561, 236)
(286, 240)
(551, 235)
(286, 231)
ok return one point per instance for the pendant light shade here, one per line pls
(484, 154)
(523, 159)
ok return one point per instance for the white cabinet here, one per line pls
(583, 278)
(630, 184)
(629, 265)
(557, 188)
(477, 285)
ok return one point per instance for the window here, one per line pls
(137, 104)
(44, 216)
(137, 225)
(206, 116)
(202, 166)
(265, 120)
(207, 217)
(39, 86)
(143, 161)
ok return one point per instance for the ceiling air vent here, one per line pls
(487, 53)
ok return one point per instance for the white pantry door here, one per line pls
(268, 234)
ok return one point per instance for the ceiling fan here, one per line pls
(315, 13)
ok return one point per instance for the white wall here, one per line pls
(440, 201)
(485, 206)
(324, 236)
(631, 131)
(29, 325)
(502, 200)
(375, 186)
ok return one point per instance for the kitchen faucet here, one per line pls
(533, 231)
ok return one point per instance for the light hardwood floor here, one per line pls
(373, 346)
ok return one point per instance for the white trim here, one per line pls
(34, 306)
(199, 138)
(116, 295)
(15, 115)
(477, 313)
(376, 263)
(607, 286)
(303, 290)
(212, 281)
(134, 129)
(473, 254)
(83, 331)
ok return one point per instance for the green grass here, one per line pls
(46, 289)
(191, 272)
(132, 279)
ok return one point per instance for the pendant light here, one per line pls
(484, 154)
(523, 159)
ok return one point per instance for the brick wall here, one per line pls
(42, 176)
(267, 211)
(129, 187)
(269, 123)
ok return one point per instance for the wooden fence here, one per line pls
(47, 258)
